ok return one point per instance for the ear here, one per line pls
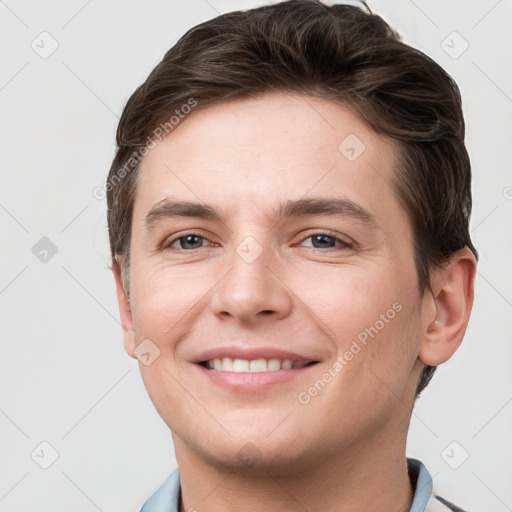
(449, 308)
(124, 308)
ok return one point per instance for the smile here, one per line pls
(228, 364)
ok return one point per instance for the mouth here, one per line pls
(255, 369)
(235, 365)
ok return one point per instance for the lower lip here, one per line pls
(253, 381)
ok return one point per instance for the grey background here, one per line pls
(65, 378)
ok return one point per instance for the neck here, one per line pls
(369, 476)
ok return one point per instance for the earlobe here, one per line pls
(125, 310)
(452, 300)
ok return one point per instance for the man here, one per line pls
(288, 215)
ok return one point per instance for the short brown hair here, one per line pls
(341, 53)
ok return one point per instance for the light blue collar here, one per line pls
(167, 497)
(422, 482)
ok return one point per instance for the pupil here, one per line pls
(324, 237)
(191, 237)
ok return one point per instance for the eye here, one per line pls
(328, 241)
(186, 241)
(193, 241)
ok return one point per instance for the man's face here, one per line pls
(336, 291)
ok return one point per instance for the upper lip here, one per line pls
(250, 354)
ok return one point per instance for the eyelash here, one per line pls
(344, 244)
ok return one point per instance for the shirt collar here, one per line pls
(422, 482)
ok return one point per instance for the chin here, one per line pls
(248, 448)
(257, 458)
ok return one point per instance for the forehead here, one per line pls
(249, 155)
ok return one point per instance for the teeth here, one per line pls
(258, 365)
(240, 365)
(227, 364)
(273, 365)
(286, 364)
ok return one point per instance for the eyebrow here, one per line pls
(337, 207)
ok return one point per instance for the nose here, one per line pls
(253, 289)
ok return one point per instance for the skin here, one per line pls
(345, 449)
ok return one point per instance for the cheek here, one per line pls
(370, 318)
(349, 299)
(166, 300)
(166, 307)
(374, 330)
